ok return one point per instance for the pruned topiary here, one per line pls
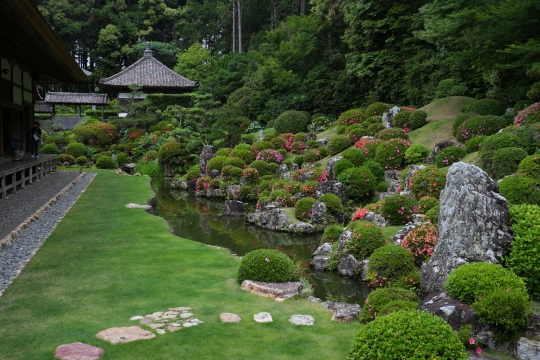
(267, 265)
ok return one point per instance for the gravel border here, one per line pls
(23, 243)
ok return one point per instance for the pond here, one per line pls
(200, 219)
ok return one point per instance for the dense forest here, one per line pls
(314, 55)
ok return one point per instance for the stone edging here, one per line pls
(17, 232)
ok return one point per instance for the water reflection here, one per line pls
(200, 219)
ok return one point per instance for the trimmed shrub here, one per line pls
(391, 154)
(417, 119)
(428, 181)
(285, 198)
(377, 108)
(331, 233)
(351, 117)
(392, 133)
(76, 150)
(401, 119)
(278, 143)
(416, 154)
(355, 156)
(229, 173)
(407, 335)
(246, 154)
(379, 298)
(62, 158)
(193, 172)
(251, 175)
(173, 153)
(506, 161)
(302, 208)
(319, 124)
(341, 166)
(236, 162)
(309, 188)
(398, 209)
(375, 168)
(332, 202)
(481, 125)
(270, 156)
(50, 149)
(493, 143)
(217, 163)
(300, 137)
(398, 305)
(486, 107)
(382, 186)
(530, 115)
(366, 237)
(450, 155)
(426, 203)
(469, 282)
(338, 143)
(323, 151)
(377, 119)
(520, 190)
(266, 265)
(374, 129)
(530, 166)
(81, 160)
(359, 183)
(474, 144)
(420, 242)
(291, 122)
(432, 215)
(262, 145)
(105, 162)
(524, 257)
(460, 119)
(356, 132)
(369, 147)
(151, 155)
(299, 160)
(122, 159)
(297, 147)
(389, 265)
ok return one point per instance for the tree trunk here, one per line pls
(233, 26)
(239, 27)
(329, 36)
(302, 6)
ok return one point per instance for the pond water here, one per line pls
(200, 219)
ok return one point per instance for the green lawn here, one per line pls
(105, 263)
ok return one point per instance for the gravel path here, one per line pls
(15, 256)
(16, 208)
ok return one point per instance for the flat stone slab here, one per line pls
(137, 206)
(229, 318)
(343, 312)
(297, 319)
(276, 291)
(180, 309)
(121, 335)
(263, 317)
(78, 351)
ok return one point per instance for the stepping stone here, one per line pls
(146, 321)
(186, 315)
(78, 351)
(174, 328)
(180, 309)
(190, 324)
(263, 317)
(121, 335)
(137, 318)
(137, 206)
(156, 326)
(229, 318)
(170, 313)
(276, 291)
(160, 331)
(297, 319)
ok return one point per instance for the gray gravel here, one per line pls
(16, 208)
(16, 255)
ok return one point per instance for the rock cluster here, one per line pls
(172, 320)
(343, 312)
(276, 291)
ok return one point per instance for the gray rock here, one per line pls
(396, 239)
(376, 219)
(330, 166)
(229, 318)
(261, 135)
(216, 193)
(287, 176)
(363, 266)
(333, 187)
(438, 147)
(214, 174)
(314, 299)
(275, 219)
(283, 169)
(310, 136)
(345, 235)
(343, 312)
(208, 152)
(78, 350)
(320, 262)
(262, 317)
(323, 142)
(124, 335)
(297, 319)
(348, 266)
(276, 291)
(391, 175)
(233, 192)
(324, 249)
(413, 169)
(269, 205)
(510, 111)
(473, 225)
(303, 228)
(234, 208)
(528, 349)
(318, 214)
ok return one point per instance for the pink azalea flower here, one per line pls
(471, 341)
(267, 260)
(478, 350)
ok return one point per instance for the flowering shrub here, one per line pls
(450, 155)
(356, 132)
(355, 156)
(481, 125)
(309, 188)
(267, 265)
(374, 129)
(173, 153)
(492, 144)
(416, 154)
(368, 146)
(278, 142)
(359, 183)
(428, 181)
(285, 198)
(231, 174)
(262, 145)
(474, 144)
(365, 238)
(331, 233)
(420, 242)
(134, 135)
(312, 156)
(338, 143)
(297, 147)
(375, 168)
(391, 154)
(203, 183)
(426, 203)
(261, 166)
(217, 163)
(62, 158)
(332, 202)
(394, 334)
(460, 119)
(398, 209)
(379, 298)
(359, 214)
(530, 166)
(319, 124)
(270, 156)
(302, 208)
(341, 166)
(150, 155)
(401, 119)
(530, 115)
(351, 117)
(432, 215)
(377, 108)
(392, 266)
(251, 175)
(247, 155)
(105, 133)
(392, 133)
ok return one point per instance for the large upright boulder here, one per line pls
(208, 152)
(473, 225)
(330, 166)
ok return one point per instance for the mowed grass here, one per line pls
(105, 263)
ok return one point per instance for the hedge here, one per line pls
(161, 101)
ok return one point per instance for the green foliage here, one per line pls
(398, 305)
(376, 169)
(520, 190)
(331, 233)
(420, 242)
(355, 156)
(474, 144)
(261, 146)
(398, 209)
(319, 124)
(481, 125)
(528, 116)
(524, 258)
(359, 183)
(351, 117)
(377, 108)
(486, 107)
(217, 163)
(50, 149)
(506, 161)
(299, 160)
(291, 122)
(366, 237)
(81, 160)
(417, 119)
(460, 119)
(102, 133)
(267, 265)
(492, 144)
(450, 87)
(450, 155)
(76, 149)
(194, 63)
(173, 153)
(416, 154)
(341, 166)
(379, 298)
(373, 129)
(338, 143)
(332, 202)
(530, 166)
(194, 172)
(398, 334)
(401, 119)
(122, 159)
(356, 132)
(469, 282)
(428, 181)
(388, 264)
(392, 133)
(62, 158)
(105, 162)
(432, 215)
(391, 154)
(97, 113)
(302, 208)
(382, 186)
(426, 203)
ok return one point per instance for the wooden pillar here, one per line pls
(78, 111)
(102, 113)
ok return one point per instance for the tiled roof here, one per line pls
(76, 98)
(148, 72)
(42, 107)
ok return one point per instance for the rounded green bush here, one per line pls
(302, 208)
(426, 203)
(355, 156)
(417, 119)
(151, 155)
(481, 125)
(267, 265)
(486, 107)
(366, 237)
(398, 209)
(341, 166)
(81, 160)
(401, 119)
(338, 143)
(376, 119)
(530, 166)
(391, 153)
(528, 116)
(224, 152)
(323, 151)
(450, 155)
(473, 144)
(106, 162)
(122, 159)
(312, 156)
(229, 173)
(341, 129)
(506, 161)
(217, 163)
(193, 172)
(50, 149)
(332, 202)
(379, 298)
(351, 117)
(416, 154)
(432, 215)
(449, 87)
(331, 233)
(374, 129)
(390, 262)
(247, 155)
(492, 144)
(291, 121)
(375, 168)
(398, 305)
(377, 108)
(76, 150)
(469, 282)
(382, 186)
(520, 190)
(300, 137)
(392, 133)
(428, 181)
(62, 158)
(262, 145)
(407, 335)
(173, 153)
(460, 119)
(359, 183)
(236, 162)
(356, 132)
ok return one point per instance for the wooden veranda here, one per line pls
(16, 175)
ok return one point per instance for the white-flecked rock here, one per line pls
(229, 318)
(161, 331)
(156, 326)
(138, 317)
(186, 315)
(180, 309)
(263, 317)
(528, 349)
(190, 324)
(297, 319)
(121, 335)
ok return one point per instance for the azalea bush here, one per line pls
(381, 297)
(104, 162)
(392, 266)
(401, 120)
(262, 145)
(62, 158)
(369, 147)
(426, 203)
(338, 143)
(417, 119)
(428, 181)
(366, 237)
(351, 117)
(520, 190)
(355, 156)
(271, 156)
(506, 160)
(251, 175)
(359, 183)
(332, 202)
(530, 115)
(341, 166)
(474, 144)
(530, 166)
(356, 132)
(267, 265)
(481, 125)
(217, 163)
(302, 208)
(291, 122)
(331, 233)
(391, 154)
(398, 209)
(416, 154)
(450, 155)
(392, 133)
(420, 242)
(492, 144)
(377, 108)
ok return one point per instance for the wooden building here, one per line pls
(30, 52)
